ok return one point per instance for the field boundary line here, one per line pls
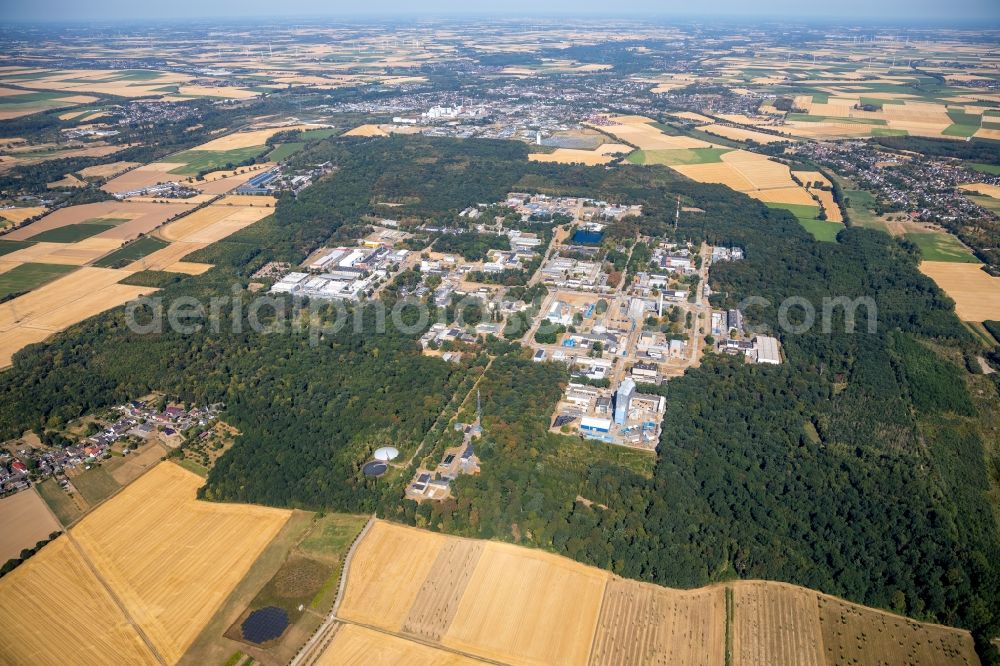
(600, 609)
(115, 598)
(431, 644)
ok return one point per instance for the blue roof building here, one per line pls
(622, 399)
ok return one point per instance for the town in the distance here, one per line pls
(575, 340)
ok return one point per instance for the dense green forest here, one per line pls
(857, 467)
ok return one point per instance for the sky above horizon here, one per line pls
(905, 11)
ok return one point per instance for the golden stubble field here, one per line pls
(60, 304)
(639, 131)
(441, 599)
(24, 521)
(52, 604)
(171, 559)
(976, 293)
(140, 218)
(601, 155)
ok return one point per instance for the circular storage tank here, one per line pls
(386, 453)
(374, 468)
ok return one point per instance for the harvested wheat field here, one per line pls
(16, 339)
(260, 200)
(759, 170)
(638, 131)
(642, 623)
(387, 572)
(983, 188)
(171, 559)
(809, 178)
(60, 304)
(212, 223)
(775, 624)
(247, 139)
(528, 606)
(222, 182)
(56, 589)
(691, 115)
(715, 172)
(857, 635)
(166, 258)
(830, 206)
(67, 254)
(19, 215)
(366, 130)
(69, 180)
(356, 646)
(740, 134)
(130, 219)
(107, 170)
(24, 521)
(788, 195)
(976, 293)
(146, 175)
(437, 601)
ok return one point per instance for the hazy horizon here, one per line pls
(902, 12)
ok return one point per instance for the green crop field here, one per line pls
(8, 246)
(71, 233)
(885, 131)
(194, 161)
(875, 101)
(989, 203)
(26, 277)
(59, 501)
(285, 150)
(678, 157)
(137, 249)
(811, 118)
(321, 133)
(963, 124)
(821, 230)
(940, 246)
(991, 169)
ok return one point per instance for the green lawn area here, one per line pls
(963, 124)
(989, 203)
(72, 233)
(193, 161)
(821, 230)
(861, 209)
(678, 157)
(939, 246)
(321, 133)
(26, 277)
(332, 534)
(137, 249)
(59, 501)
(285, 150)
(875, 101)
(991, 169)
(17, 101)
(8, 246)
(885, 131)
(192, 466)
(95, 484)
(810, 118)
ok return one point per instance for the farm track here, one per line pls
(85, 558)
